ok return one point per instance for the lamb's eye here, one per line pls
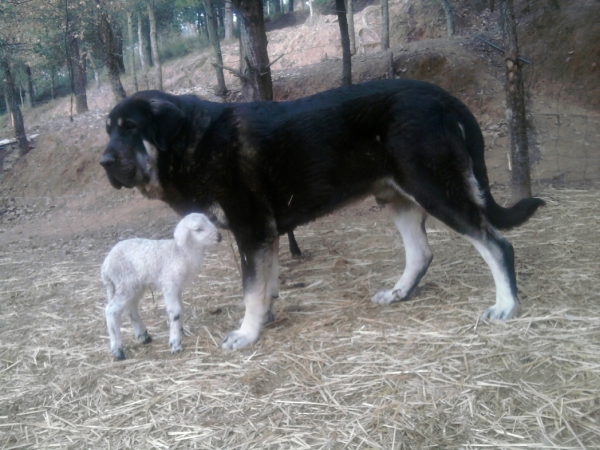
(199, 230)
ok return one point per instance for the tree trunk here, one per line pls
(214, 38)
(8, 110)
(449, 17)
(254, 60)
(291, 6)
(132, 53)
(112, 64)
(346, 56)
(154, 45)
(352, 35)
(515, 105)
(30, 91)
(385, 25)
(310, 8)
(95, 70)
(53, 83)
(10, 91)
(79, 74)
(119, 53)
(141, 40)
(228, 20)
(277, 5)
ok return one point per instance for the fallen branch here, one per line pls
(500, 49)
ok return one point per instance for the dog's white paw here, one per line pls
(385, 297)
(268, 318)
(501, 313)
(238, 339)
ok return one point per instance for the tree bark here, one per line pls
(254, 60)
(515, 105)
(30, 91)
(346, 56)
(10, 92)
(119, 53)
(132, 53)
(228, 20)
(154, 45)
(112, 64)
(449, 17)
(141, 47)
(78, 66)
(385, 25)
(8, 110)
(53, 83)
(95, 70)
(291, 6)
(352, 35)
(214, 38)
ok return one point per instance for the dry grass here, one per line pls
(334, 371)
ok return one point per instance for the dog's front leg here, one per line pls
(257, 273)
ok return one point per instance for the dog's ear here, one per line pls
(168, 122)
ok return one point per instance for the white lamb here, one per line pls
(169, 265)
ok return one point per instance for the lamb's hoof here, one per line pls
(145, 338)
(119, 354)
(237, 339)
(176, 347)
(269, 317)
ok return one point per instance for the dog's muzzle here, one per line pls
(109, 164)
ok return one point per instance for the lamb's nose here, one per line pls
(107, 161)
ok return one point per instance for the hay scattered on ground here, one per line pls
(334, 371)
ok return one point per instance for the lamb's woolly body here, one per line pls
(169, 265)
(140, 263)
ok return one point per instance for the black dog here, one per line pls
(273, 166)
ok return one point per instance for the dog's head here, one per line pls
(141, 127)
(195, 230)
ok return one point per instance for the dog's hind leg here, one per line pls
(498, 253)
(410, 220)
(257, 273)
(273, 280)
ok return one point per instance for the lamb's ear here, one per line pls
(181, 233)
(168, 120)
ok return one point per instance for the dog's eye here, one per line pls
(129, 125)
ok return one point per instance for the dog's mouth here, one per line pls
(124, 175)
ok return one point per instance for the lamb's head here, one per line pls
(196, 230)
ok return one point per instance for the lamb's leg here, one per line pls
(114, 311)
(174, 305)
(139, 329)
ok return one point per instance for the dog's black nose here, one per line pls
(107, 161)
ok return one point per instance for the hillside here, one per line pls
(563, 86)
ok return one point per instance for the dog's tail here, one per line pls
(507, 218)
(500, 217)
